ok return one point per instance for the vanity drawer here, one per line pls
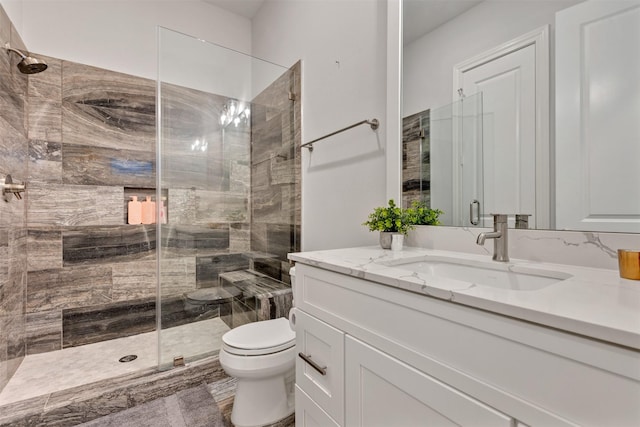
(320, 363)
(309, 414)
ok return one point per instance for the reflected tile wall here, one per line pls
(416, 162)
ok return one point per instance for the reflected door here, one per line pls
(507, 84)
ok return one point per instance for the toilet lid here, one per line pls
(267, 336)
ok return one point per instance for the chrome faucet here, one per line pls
(499, 236)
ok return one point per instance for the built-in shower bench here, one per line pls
(262, 298)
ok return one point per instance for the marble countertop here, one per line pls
(593, 302)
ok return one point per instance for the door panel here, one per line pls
(507, 84)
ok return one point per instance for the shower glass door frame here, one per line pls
(216, 150)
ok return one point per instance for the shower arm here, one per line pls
(10, 49)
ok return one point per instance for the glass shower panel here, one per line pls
(221, 138)
(469, 125)
(456, 140)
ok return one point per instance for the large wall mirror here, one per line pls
(523, 107)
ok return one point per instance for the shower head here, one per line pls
(28, 64)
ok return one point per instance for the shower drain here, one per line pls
(128, 358)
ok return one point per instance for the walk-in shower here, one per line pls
(107, 299)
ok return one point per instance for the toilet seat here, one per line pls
(259, 338)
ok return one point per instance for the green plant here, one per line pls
(390, 218)
(420, 214)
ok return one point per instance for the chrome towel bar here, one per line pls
(374, 123)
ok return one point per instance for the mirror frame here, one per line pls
(394, 100)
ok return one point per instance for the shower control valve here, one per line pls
(8, 187)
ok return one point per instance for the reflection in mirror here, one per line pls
(416, 165)
(458, 191)
(580, 157)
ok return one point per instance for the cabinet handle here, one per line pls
(314, 365)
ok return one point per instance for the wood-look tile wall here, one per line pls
(13, 234)
(91, 146)
(275, 173)
(91, 138)
(84, 140)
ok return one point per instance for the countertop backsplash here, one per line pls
(581, 248)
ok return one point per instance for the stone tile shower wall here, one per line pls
(207, 191)
(13, 233)
(91, 141)
(275, 174)
(416, 159)
(91, 145)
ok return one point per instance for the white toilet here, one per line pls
(261, 356)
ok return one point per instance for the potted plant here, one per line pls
(388, 220)
(420, 214)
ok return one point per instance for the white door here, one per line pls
(383, 391)
(598, 116)
(508, 86)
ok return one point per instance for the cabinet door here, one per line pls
(322, 345)
(382, 391)
(309, 414)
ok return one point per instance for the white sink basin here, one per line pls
(492, 274)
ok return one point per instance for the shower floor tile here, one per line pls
(45, 373)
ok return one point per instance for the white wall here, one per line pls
(429, 61)
(343, 48)
(120, 35)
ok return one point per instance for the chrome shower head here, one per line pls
(28, 64)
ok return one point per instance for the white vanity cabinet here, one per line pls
(397, 358)
(383, 391)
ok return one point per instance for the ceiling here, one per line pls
(423, 16)
(420, 16)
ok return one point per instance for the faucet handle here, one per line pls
(522, 220)
(499, 218)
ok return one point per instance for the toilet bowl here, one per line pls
(260, 355)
